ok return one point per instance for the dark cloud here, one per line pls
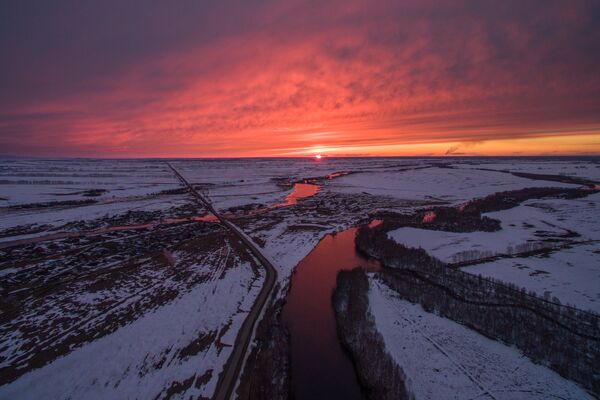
(145, 74)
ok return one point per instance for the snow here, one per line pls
(58, 217)
(125, 184)
(575, 214)
(445, 360)
(287, 250)
(572, 275)
(520, 225)
(452, 185)
(238, 182)
(123, 364)
(582, 168)
(36, 181)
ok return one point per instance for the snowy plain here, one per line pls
(445, 360)
(571, 274)
(144, 358)
(140, 358)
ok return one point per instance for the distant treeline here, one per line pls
(50, 204)
(557, 178)
(509, 199)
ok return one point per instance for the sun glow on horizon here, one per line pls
(318, 156)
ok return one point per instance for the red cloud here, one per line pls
(347, 74)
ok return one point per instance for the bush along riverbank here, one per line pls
(266, 373)
(379, 375)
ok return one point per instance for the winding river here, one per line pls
(320, 367)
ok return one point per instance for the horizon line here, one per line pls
(324, 157)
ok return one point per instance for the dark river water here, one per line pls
(320, 368)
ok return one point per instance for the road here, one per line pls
(229, 376)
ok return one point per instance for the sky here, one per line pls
(296, 78)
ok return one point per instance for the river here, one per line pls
(320, 367)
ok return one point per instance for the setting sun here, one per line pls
(318, 156)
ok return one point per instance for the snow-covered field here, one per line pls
(445, 360)
(149, 309)
(239, 182)
(53, 193)
(521, 225)
(34, 181)
(571, 274)
(183, 343)
(418, 183)
(584, 168)
(152, 309)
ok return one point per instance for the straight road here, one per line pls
(229, 376)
